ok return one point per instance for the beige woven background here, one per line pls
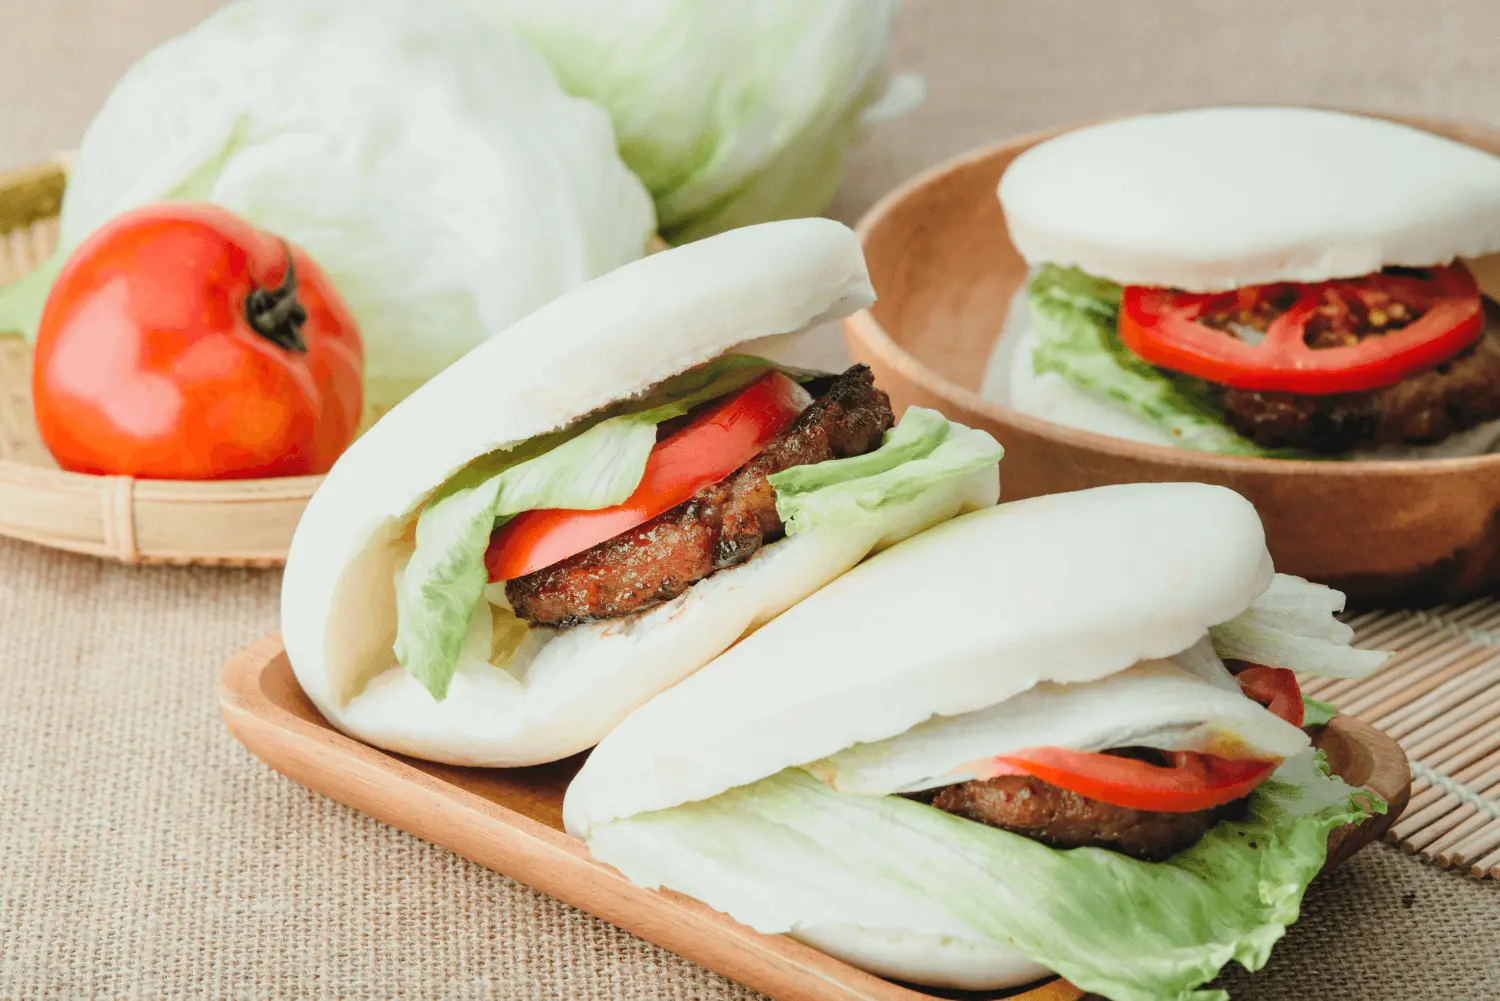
(143, 854)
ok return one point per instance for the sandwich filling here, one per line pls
(721, 525)
(1061, 818)
(623, 512)
(1140, 801)
(1408, 356)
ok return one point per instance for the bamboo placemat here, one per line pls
(1439, 696)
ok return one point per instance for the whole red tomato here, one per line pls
(180, 342)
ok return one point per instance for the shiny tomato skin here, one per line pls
(1161, 327)
(1192, 782)
(146, 364)
(719, 439)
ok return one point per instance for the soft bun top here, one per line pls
(1220, 198)
(1067, 588)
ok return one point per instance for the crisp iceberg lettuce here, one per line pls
(787, 852)
(1292, 625)
(1317, 713)
(732, 113)
(443, 582)
(423, 154)
(925, 448)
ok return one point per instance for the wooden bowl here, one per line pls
(942, 262)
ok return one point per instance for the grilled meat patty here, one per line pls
(1422, 408)
(1063, 819)
(719, 527)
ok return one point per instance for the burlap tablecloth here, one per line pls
(144, 854)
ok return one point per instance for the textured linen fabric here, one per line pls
(144, 854)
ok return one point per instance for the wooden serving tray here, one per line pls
(511, 821)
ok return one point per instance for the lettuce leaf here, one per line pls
(444, 580)
(596, 465)
(924, 449)
(22, 301)
(788, 852)
(1077, 317)
(1293, 625)
(731, 113)
(1316, 712)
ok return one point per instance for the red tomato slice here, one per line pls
(1192, 782)
(714, 443)
(1331, 337)
(1275, 688)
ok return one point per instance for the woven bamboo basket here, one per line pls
(216, 523)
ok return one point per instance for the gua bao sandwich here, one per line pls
(588, 508)
(1061, 734)
(1257, 281)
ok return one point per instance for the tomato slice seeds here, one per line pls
(1340, 336)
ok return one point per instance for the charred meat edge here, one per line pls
(719, 527)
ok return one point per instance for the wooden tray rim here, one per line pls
(672, 920)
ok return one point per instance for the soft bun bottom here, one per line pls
(579, 683)
(1011, 379)
(929, 960)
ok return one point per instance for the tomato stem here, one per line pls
(275, 313)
